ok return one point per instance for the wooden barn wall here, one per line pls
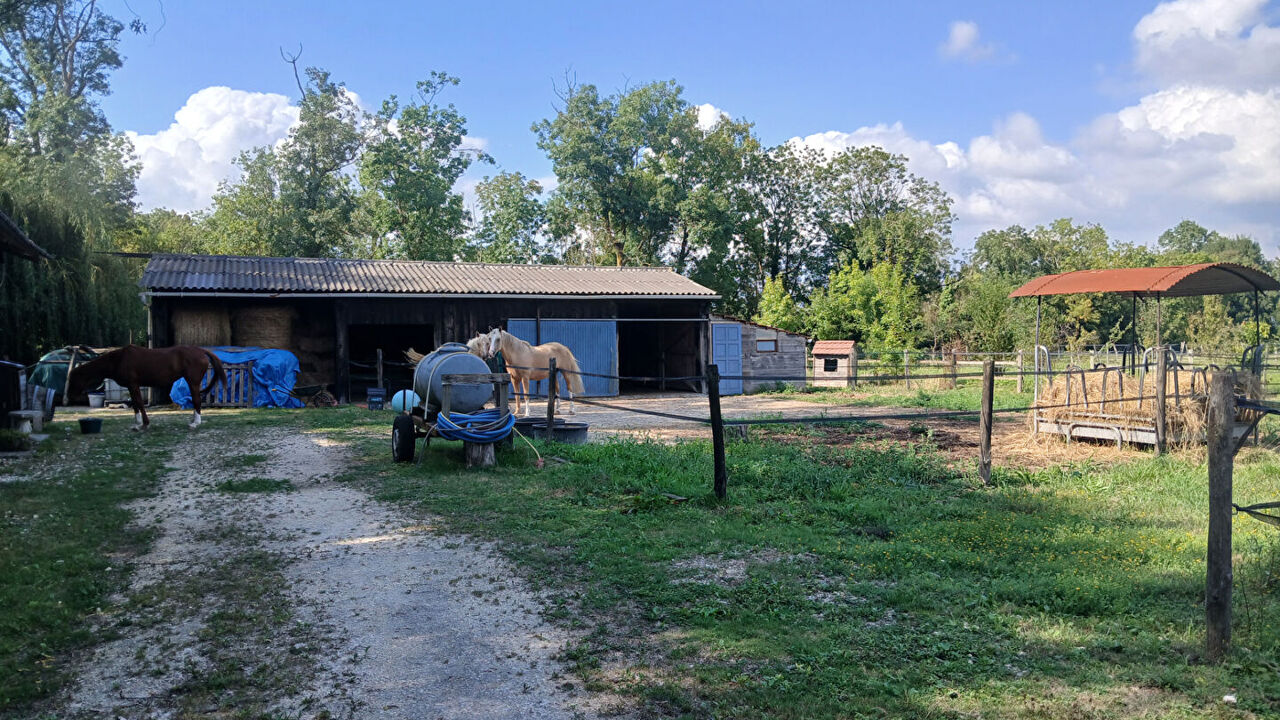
(789, 360)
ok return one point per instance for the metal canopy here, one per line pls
(1175, 281)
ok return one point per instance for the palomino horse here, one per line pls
(134, 366)
(526, 362)
(478, 346)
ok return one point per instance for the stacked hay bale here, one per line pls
(207, 326)
(1072, 397)
(264, 326)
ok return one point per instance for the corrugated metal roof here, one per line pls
(228, 274)
(1174, 281)
(833, 347)
(731, 318)
(15, 241)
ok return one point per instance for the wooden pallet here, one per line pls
(239, 389)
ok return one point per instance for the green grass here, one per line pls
(253, 485)
(61, 537)
(968, 396)
(867, 581)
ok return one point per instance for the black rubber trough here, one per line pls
(573, 433)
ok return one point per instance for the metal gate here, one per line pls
(594, 343)
(726, 353)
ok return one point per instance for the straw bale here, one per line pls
(201, 326)
(265, 326)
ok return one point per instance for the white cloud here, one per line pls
(709, 116)
(182, 165)
(1203, 144)
(964, 43)
(1217, 42)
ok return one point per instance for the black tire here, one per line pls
(402, 439)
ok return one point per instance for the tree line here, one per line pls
(849, 244)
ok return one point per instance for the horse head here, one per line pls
(87, 376)
(494, 341)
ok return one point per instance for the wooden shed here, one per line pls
(337, 314)
(765, 352)
(834, 363)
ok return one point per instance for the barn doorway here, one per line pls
(393, 340)
(658, 350)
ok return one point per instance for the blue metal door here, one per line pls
(594, 344)
(726, 353)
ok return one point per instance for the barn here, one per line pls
(337, 314)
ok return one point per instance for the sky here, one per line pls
(1132, 115)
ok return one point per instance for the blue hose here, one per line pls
(486, 426)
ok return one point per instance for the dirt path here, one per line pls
(292, 594)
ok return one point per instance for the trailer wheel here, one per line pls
(402, 439)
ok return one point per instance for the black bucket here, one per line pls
(573, 433)
(525, 424)
(90, 426)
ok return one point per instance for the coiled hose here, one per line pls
(486, 426)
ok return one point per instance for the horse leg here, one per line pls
(140, 420)
(194, 384)
(524, 384)
(568, 391)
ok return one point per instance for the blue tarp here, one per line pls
(274, 373)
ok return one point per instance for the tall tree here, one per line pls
(512, 219)
(781, 239)
(410, 170)
(876, 211)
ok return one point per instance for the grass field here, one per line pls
(59, 534)
(967, 396)
(871, 581)
(866, 580)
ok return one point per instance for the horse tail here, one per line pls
(573, 378)
(219, 375)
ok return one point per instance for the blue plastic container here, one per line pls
(452, 358)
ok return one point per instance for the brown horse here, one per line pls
(134, 366)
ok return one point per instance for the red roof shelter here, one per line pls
(1170, 281)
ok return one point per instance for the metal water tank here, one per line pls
(451, 358)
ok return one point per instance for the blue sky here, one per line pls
(1020, 110)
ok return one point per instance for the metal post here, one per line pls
(721, 480)
(906, 367)
(1035, 355)
(853, 364)
(1159, 333)
(1133, 335)
(551, 397)
(984, 421)
(1162, 359)
(1021, 369)
(380, 367)
(1217, 596)
(1257, 323)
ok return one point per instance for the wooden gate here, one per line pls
(239, 389)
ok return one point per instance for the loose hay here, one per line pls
(1121, 398)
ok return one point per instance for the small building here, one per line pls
(833, 363)
(337, 315)
(763, 351)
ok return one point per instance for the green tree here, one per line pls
(879, 308)
(409, 173)
(876, 211)
(778, 309)
(780, 238)
(512, 218)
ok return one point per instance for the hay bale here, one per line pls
(264, 326)
(201, 326)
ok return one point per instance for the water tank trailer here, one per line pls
(454, 386)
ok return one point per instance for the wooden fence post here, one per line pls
(951, 370)
(1020, 371)
(380, 367)
(1217, 594)
(1161, 393)
(984, 421)
(853, 365)
(721, 483)
(906, 367)
(551, 397)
